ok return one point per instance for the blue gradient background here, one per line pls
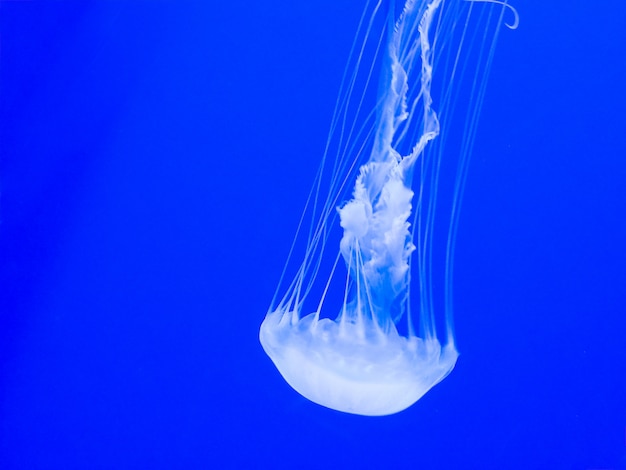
(155, 158)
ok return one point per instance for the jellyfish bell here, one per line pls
(370, 355)
(346, 368)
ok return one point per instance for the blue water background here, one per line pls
(155, 158)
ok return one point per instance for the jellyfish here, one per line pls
(367, 328)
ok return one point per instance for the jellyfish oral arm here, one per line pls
(376, 240)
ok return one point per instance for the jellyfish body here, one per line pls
(371, 359)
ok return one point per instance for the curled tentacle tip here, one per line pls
(515, 19)
(505, 4)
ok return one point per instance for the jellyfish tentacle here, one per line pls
(505, 4)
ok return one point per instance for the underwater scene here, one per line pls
(312, 235)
